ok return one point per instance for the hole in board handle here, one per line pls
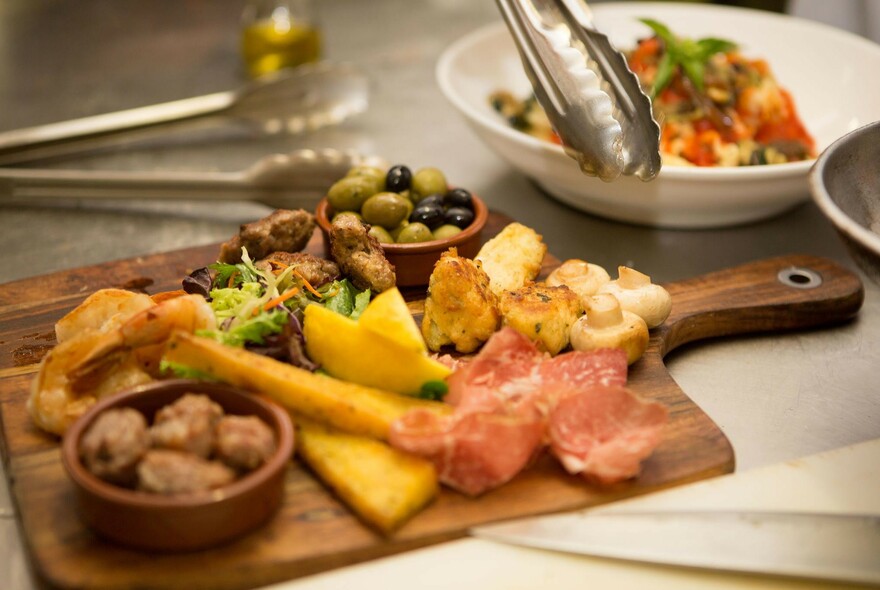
(799, 278)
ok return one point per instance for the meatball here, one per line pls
(187, 425)
(317, 271)
(244, 442)
(173, 472)
(359, 255)
(113, 445)
(282, 230)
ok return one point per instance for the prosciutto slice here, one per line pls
(473, 452)
(511, 400)
(603, 433)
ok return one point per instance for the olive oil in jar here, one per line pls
(278, 34)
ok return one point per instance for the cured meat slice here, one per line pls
(606, 366)
(603, 433)
(472, 452)
(506, 364)
(504, 399)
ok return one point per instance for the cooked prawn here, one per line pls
(102, 310)
(104, 359)
(149, 327)
(54, 402)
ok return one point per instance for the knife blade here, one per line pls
(841, 547)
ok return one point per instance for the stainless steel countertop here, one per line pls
(776, 397)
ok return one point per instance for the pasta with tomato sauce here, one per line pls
(715, 106)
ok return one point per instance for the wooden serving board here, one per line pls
(313, 532)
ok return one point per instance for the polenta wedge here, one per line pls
(383, 486)
(350, 407)
(348, 351)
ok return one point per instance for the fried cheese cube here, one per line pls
(512, 258)
(460, 309)
(543, 313)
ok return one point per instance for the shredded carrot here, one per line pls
(278, 300)
(277, 266)
(308, 285)
(332, 293)
(231, 282)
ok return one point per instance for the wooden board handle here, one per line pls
(783, 293)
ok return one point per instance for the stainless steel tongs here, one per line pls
(590, 95)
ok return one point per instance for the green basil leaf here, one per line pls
(694, 69)
(664, 74)
(709, 46)
(661, 30)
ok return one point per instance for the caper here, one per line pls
(386, 209)
(381, 234)
(350, 193)
(414, 232)
(446, 231)
(427, 181)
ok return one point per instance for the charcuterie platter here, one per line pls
(313, 531)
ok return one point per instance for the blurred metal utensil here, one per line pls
(841, 547)
(591, 97)
(290, 101)
(297, 179)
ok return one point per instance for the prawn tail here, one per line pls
(96, 363)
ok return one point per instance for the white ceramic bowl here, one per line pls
(831, 74)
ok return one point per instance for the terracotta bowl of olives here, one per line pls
(414, 215)
(175, 520)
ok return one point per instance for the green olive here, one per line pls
(446, 231)
(414, 232)
(371, 171)
(427, 181)
(350, 193)
(395, 233)
(381, 234)
(354, 214)
(386, 209)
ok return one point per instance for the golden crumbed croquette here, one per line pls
(543, 313)
(512, 258)
(460, 309)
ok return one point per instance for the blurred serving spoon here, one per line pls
(291, 101)
(297, 179)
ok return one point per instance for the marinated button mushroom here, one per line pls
(582, 277)
(636, 293)
(606, 325)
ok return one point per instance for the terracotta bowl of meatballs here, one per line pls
(414, 216)
(178, 465)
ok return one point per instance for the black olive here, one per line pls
(459, 216)
(435, 199)
(459, 197)
(430, 214)
(398, 179)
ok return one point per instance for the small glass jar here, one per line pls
(278, 34)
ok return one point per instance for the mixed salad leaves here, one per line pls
(261, 307)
